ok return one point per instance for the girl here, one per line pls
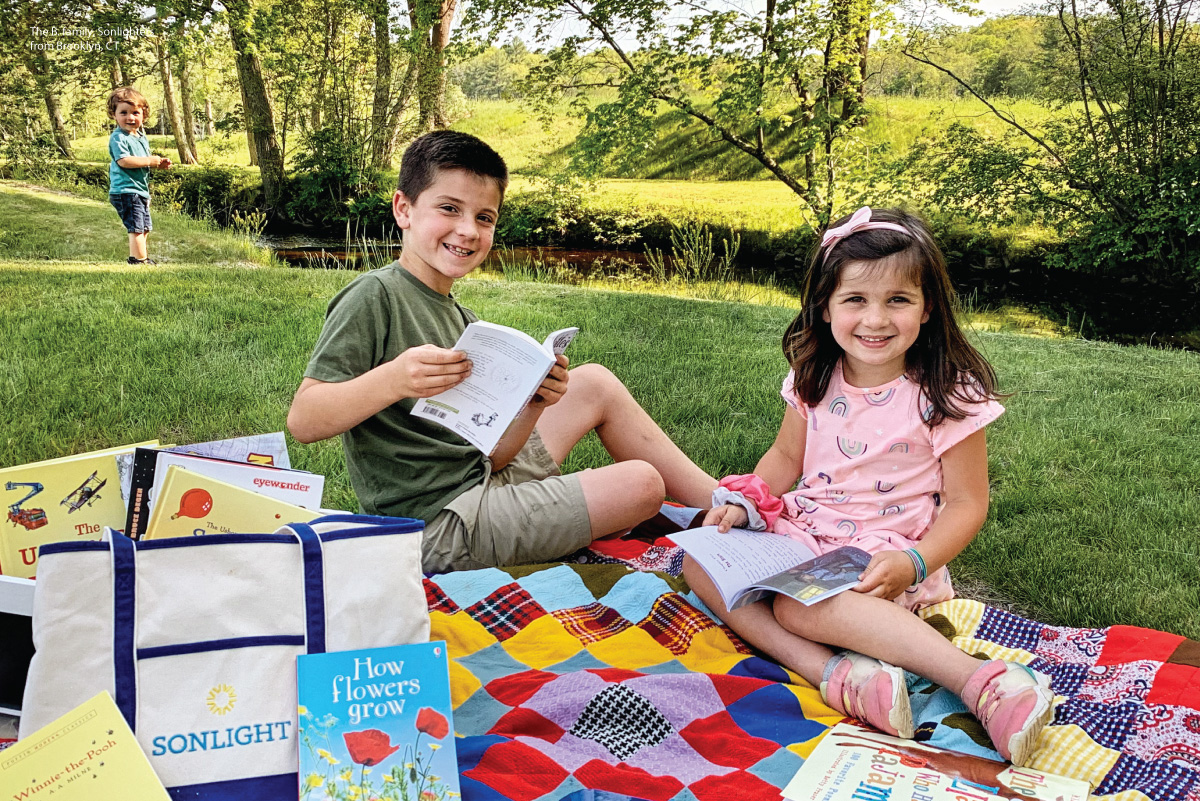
(886, 406)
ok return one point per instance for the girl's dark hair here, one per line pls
(949, 370)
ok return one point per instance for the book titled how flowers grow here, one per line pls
(377, 723)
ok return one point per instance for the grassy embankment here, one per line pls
(1095, 484)
(684, 173)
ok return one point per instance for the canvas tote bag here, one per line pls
(197, 637)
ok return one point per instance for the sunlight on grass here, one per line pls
(1004, 319)
(42, 224)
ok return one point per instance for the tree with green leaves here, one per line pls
(782, 80)
(1115, 166)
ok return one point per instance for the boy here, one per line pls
(128, 174)
(387, 340)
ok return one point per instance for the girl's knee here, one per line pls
(799, 619)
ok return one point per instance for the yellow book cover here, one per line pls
(69, 498)
(192, 504)
(88, 754)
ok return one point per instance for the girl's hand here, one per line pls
(887, 576)
(726, 517)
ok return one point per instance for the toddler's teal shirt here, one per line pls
(122, 181)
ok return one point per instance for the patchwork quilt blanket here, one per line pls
(600, 682)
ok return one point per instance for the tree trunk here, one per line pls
(319, 99)
(383, 82)
(436, 16)
(864, 44)
(164, 71)
(116, 76)
(250, 148)
(403, 96)
(40, 69)
(440, 39)
(209, 129)
(259, 112)
(185, 100)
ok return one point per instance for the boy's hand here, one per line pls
(888, 575)
(554, 387)
(726, 517)
(164, 163)
(427, 370)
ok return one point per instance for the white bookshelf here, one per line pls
(16, 596)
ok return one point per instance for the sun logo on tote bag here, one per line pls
(221, 699)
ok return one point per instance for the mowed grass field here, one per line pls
(1095, 476)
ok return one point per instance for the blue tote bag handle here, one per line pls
(314, 587)
(124, 571)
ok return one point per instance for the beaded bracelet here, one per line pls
(919, 567)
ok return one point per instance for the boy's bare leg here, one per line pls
(137, 246)
(756, 624)
(596, 399)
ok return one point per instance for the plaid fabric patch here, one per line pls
(673, 622)
(1162, 781)
(592, 622)
(506, 611)
(1068, 751)
(438, 601)
(1005, 628)
(1108, 724)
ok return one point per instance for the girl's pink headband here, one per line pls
(859, 221)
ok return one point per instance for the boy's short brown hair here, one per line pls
(126, 94)
(448, 150)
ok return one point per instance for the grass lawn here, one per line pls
(43, 224)
(1096, 484)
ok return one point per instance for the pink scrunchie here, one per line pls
(756, 490)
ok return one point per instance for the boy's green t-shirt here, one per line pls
(134, 180)
(399, 465)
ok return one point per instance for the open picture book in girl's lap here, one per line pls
(746, 566)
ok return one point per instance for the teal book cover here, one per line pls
(377, 723)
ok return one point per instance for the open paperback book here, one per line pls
(509, 366)
(746, 566)
(853, 762)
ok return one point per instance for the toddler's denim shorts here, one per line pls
(134, 211)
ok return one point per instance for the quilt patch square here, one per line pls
(592, 622)
(1176, 684)
(1162, 782)
(438, 601)
(506, 611)
(673, 622)
(1005, 628)
(1109, 725)
(1129, 643)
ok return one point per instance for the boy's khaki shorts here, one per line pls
(526, 513)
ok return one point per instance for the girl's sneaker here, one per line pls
(1013, 703)
(874, 692)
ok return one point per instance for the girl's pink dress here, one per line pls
(873, 472)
